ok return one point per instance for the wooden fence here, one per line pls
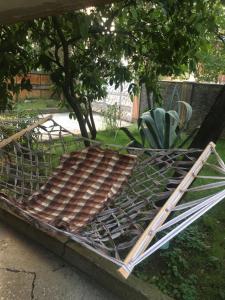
(41, 86)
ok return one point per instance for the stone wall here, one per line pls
(201, 96)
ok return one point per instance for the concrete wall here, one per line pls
(201, 96)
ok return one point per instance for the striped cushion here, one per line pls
(80, 188)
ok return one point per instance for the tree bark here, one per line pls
(68, 87)
(92, 121)
(213, 124)
(92, 130)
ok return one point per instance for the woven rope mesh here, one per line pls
(28, 162)
(155, 176)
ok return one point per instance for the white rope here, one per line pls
(216, 168)
(189, 204)
(210, 177)
(189, 212)
(174, 232)
(219, 159)
(206, 186)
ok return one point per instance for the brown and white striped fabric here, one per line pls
(80, 188)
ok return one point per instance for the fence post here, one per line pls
(135, 109)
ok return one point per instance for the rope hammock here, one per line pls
(122, 203)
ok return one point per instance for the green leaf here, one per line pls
(84, 24)
(187, 113)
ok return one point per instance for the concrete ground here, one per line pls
(73, 126)
(28, 271)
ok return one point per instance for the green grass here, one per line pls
(38, 105)
(117, 137)
(106, 137)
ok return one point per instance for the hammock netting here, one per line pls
(27, 163)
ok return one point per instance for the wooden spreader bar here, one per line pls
(19, 134)
(150, 232)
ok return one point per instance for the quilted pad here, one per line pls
(80, 188)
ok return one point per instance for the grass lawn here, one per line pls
(38, 105)
(117, 137)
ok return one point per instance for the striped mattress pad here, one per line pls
(80, 187)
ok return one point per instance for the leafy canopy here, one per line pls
(132, 41)
(15, 59)
(211, 57)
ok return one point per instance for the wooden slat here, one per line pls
(165, 211)
(19, 134)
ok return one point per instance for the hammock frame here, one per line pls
(149, 233)
(125, 218)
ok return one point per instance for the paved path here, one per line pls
(73, 126)
(28, 271)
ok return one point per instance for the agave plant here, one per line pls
(160, 128)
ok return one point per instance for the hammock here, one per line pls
(122, 203)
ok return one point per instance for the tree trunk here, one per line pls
(213, 124)
(92, 121)
(78, 113)
(68, 85)
(92, 129)
(77, 110)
